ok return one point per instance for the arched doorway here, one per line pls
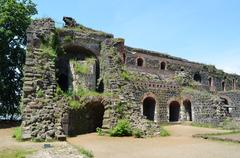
(187, 110)
(86, 119)
(174, 111)
(149, 104)
(140, 62)
(163, 65)
(197, 77)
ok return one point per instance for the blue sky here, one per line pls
(206, 31)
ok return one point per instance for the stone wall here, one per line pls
(152, 63)
(142, 86)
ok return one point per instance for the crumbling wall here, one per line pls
(39, 108)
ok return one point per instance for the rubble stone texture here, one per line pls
(147, 88)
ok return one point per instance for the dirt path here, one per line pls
(57, 150)
(179, 144)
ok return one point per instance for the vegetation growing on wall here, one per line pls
(83, 67)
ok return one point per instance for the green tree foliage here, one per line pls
(15, 17)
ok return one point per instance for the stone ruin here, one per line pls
(114, 81)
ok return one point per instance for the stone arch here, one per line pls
(234, 84)
(197, 77)
(174, 111)
(65, 70)
(149, 104)
(227, 104)
(163, 65)
(139, 62)
(87, 119)
(187, 109)
(223, 86)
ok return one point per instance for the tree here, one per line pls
(15, 17)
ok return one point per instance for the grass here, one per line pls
(16, 153)
(164, 132)
(86, 153)
(18, 133)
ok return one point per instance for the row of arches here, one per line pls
(140, 63)
(174, 110)
(197, 77)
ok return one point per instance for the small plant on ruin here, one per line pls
(123, 128)
(164, 132)
(99, 131)
(126, 75)
(137, 133)
(68, 39)
(40, 93)
(86, 153)
(83, 68)
(17, 134)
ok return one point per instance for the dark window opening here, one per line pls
(210, 82)
(149, 108)
(100, 86)
(223, 86)
(174, 111)
(234, 84)
(140, 62)
(188, 110)
(63, 82)
(124, 58)
(163, 65)
(197, 77)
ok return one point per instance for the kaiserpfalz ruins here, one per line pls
(78, 79)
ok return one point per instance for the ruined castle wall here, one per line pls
(233, 98)
(206, 108)
(152, 63)
(41, 119)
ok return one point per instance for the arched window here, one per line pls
(234, 84)
(197, 77)
(140, 62)
(163, 66)
(210, 82)
(223, 86)
(124, 58)
(149, 108)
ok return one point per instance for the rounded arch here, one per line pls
(223, 86)
(63, 65)
(174, 111)
(163, 65)
(187, 109)
(197, 77)
(79, 52)
(149, 104)
(139, 62)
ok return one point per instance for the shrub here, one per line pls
(164, 132)
(99, 131)
(18, 133)
(137, 133)
(123, 128)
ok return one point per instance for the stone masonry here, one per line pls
(78, 79)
